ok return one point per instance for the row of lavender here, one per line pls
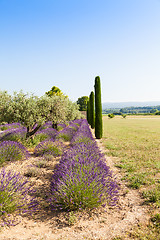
(16, 191)
(47, 140)
(81, 179)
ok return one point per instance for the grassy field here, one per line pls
(135, 144)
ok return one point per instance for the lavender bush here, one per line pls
(68, 132)
(61, 126)
(49, 147)
(7, 126)
(46, 133)
(14, 134)
(83, 134)
(15, 197)
(46, 125)
(11, 151)
(82, 179)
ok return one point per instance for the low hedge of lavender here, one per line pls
(46, 133)
(82, 180)
(66, 134)
(46, 125)
(8, 126)
(11, 151)
(49, 147)
(14, 134)
(15, 197)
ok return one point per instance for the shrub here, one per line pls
(83, 134)
(61, 126)
(17, 135)
(11, 151)
(82, 180)
(10, 126)
(66, 134)
(46, 125)
(49, 147)
(111, 115)
(15, 197)
(46, 133)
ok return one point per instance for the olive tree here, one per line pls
(32, 111)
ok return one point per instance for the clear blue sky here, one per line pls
(67, 43)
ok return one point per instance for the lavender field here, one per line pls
(79, 181)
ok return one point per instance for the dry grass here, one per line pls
(134, 143)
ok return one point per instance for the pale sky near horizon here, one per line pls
(67, 43)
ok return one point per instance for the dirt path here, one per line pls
(102, 224)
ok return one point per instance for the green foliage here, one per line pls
(72, 219)
(111, 115)
(124, 115)
(82, 103)
(88, 112)
(92, 111)
(31, 111)
(50, 147)
(35, 140)
(55, 91)
(153, 195)
(6, 202)
(5, 108)
(98, 109)
(136, 181)
(72, 111)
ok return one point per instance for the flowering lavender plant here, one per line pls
(61, 126)
(15, 134)
(66, 134)
(11, 151)
(82, 179)
(46, 133)
(49, 147)
(10, 126)
(15, 197)
(46, 125)
(83, 134)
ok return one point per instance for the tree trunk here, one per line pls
(32, 132)
(54, 125)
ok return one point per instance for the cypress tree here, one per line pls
(92, 112)
(98, 109)
(88, 112)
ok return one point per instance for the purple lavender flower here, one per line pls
(82, 179)
(11, 151)
(10, 126)
(49, 147)
(15, 196)
(66, 134)
(47, 133)
(46, 125)
(14, 134)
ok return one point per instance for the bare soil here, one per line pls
(102, 224)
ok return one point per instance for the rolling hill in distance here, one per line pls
(108, 105)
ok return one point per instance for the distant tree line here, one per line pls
(134, 110)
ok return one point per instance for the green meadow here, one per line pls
(134, 142)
